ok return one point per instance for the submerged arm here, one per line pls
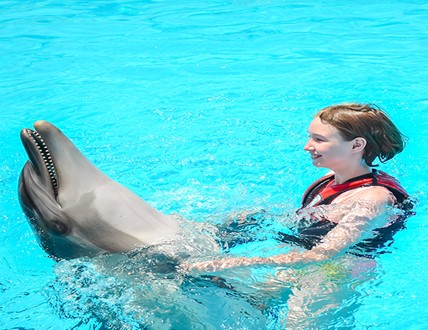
(367, 213)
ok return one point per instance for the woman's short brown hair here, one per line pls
(384, 139)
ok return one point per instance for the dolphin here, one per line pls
(74, 209)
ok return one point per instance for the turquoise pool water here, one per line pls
(201, 108)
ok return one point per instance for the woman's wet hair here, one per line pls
(384, 139)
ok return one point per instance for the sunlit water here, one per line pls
(201, 108)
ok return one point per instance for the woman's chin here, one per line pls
(317, 162)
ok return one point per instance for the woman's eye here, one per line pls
(316, 138)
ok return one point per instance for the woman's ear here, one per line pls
(359, 144)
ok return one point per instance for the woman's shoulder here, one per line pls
(372, 194)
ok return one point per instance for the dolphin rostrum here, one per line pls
(75, 209)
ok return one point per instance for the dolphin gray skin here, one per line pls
(76, 210)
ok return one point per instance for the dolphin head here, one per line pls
(43, 183)
(74, 209)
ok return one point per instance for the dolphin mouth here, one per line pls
(44, 154)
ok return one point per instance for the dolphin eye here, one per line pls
(60, 227)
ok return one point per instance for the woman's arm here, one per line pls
(367, 212)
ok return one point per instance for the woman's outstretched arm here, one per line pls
(368, 212)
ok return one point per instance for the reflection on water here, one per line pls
(147, 288)
(124, 293)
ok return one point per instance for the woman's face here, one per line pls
(327, 147)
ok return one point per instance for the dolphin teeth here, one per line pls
(44, 152)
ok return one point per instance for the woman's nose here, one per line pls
(308, 146)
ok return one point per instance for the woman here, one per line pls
(346, 139)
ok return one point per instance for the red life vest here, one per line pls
(324, 191)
